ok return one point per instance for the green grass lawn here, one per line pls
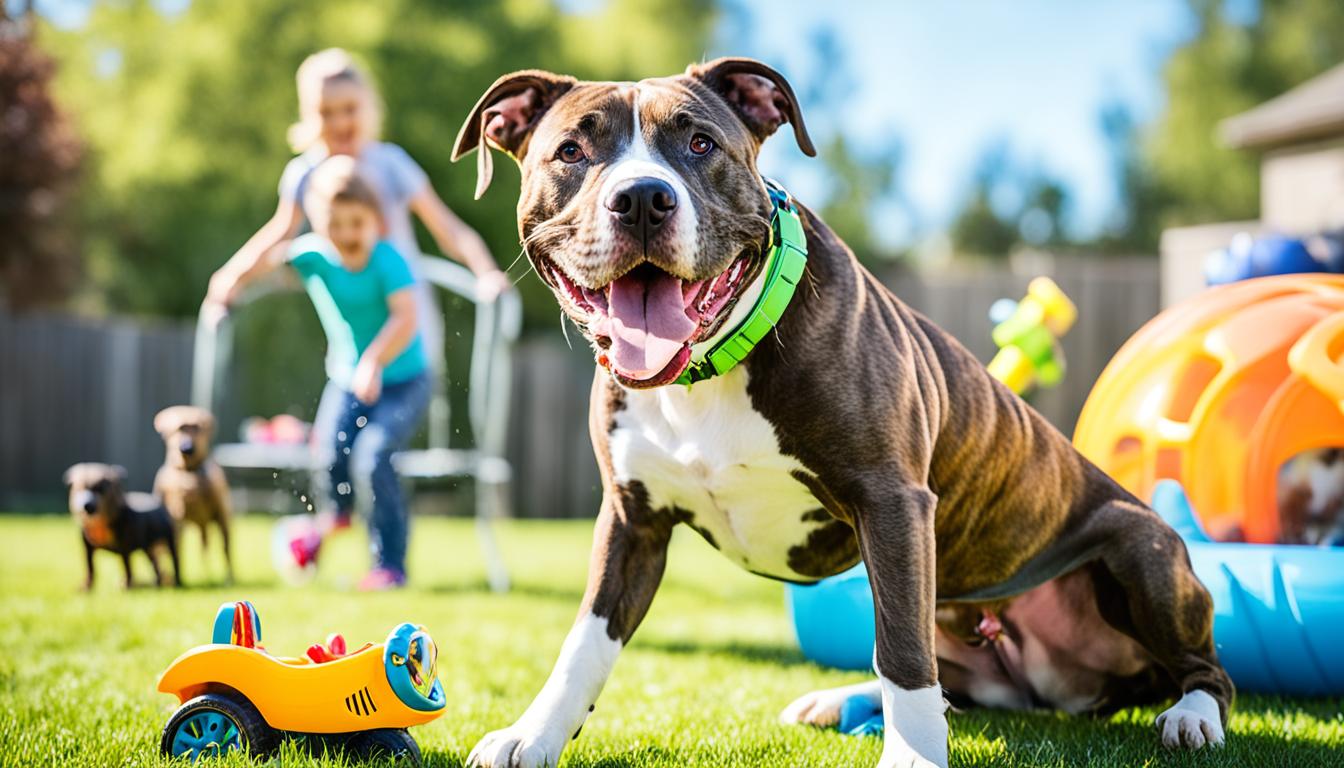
(700, 685)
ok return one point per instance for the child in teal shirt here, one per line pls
(378, 385)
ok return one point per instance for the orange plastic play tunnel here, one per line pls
(1218, 392)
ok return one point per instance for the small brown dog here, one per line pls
(192, 486)
(111, 519)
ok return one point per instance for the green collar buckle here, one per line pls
(784, 264)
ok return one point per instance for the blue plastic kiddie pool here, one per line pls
(1278, 610)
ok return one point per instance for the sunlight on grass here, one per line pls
(700, 685)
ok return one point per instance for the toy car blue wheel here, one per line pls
(213, 724)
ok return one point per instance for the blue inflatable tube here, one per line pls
(1278, 610)
(833, 619)
(1278, 618)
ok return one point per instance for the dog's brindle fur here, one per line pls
(962, 500)
(191, 484)
(116, 521)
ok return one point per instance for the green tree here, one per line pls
(40, 166)
(1230, 65)
(857, 187)
(185, 113)
(1009, 205)
(859, 178)
(1136, 222)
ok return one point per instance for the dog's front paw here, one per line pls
(1192, 723)
(517, 746)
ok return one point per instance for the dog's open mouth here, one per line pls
(646, 320)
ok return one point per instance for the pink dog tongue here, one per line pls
(649, 325)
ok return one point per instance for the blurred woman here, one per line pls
(340, 114)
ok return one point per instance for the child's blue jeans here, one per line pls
(354, 442)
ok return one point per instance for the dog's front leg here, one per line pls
(895, 528)
(88, 564)
(629, 552)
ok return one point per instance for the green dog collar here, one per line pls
(784, 264)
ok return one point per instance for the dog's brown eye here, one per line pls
(701, 144)
(570, 152)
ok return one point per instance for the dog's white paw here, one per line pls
(819, 708)
(517, 746)
(822, 708)
(1192, 723)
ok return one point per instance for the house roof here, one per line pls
(1312, 110)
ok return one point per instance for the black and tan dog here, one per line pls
(1007, 570)
(191, 485)
(110, 518)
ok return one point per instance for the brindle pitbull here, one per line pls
(1007, 570)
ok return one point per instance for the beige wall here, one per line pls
(1184, 250)
(1302, 188)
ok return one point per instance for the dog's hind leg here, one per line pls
(172, 556)
(1147, 589)
(154, 563)
(220, 500)
(223, 523)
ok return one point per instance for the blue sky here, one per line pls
(949, 78)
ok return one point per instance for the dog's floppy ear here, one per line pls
(762, 98)
(504, 117)
(166, 420)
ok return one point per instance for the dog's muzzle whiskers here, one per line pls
(564, 329)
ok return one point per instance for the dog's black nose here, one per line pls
(642, 205)
(187, 446)
(90, 506)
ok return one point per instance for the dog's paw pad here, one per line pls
(1194, 722)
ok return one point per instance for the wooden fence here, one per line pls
(74, 390)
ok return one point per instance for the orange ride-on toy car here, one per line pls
(236, 696)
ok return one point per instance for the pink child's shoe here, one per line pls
(382, 579)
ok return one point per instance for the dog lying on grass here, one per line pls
(111, 519)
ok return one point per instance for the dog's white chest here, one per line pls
(706, 453)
